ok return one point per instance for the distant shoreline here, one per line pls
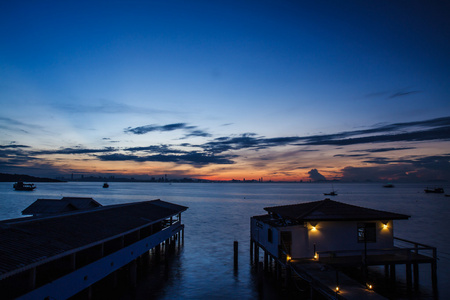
(27, 178)
(21, 177)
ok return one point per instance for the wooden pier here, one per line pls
(324, 276)
(71, 254)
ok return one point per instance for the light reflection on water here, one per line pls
(219, 214)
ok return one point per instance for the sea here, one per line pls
(219, 214)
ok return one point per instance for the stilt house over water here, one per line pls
(60, 255)
(302, 230)
(337, 234)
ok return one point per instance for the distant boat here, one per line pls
(389, 185)
(106, 185)
(437, 190)
(20, 186)
(333, 193)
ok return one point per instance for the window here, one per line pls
(269, 235)
(367, 232)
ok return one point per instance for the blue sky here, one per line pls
(226, 89)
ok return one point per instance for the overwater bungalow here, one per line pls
(63, 255)
(335, 234)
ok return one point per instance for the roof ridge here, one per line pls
(318, 205)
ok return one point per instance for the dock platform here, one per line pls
(326, 279)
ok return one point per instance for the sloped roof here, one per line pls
(29, 240)
(53, 206)
(81, 203)
(329, 210)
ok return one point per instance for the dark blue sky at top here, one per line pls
(320, 36)
(115, 74)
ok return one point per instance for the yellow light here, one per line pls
(385, 226)
(337, 289)
(315, 255)
(369, 286)
(313, 228)
(288, 258)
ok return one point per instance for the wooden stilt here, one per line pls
(392, 277)
(133, 273)
(236, 252)
(416, 276)
(408, 276)
(434, 276)
(251, 251)
(266, 261)
(32, 279)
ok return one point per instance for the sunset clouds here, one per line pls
(226, 90)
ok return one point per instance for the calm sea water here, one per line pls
(219, 214)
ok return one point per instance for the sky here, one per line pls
(221, 90)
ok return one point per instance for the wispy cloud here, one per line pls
(392, 94)
(435, 129)
(402, 94)
(192, 158)
(289, 153)
(104, 106)
(192, 131)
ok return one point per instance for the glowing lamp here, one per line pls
(337, 289)
(369, 286)
(288, 258)
(315, 256)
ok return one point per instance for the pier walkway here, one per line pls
(63, 255)
(325, 280)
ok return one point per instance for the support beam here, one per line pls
(416, 275)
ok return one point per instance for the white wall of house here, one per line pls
(260, 234)
(327, 236)
(338, 236)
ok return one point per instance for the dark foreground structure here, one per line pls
(315, 241)
(65, 255)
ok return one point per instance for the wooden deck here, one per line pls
(325, 279)
(400, 257)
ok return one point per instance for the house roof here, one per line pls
(329, 210)
(28, 240)
(53, 206)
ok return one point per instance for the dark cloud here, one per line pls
(377, 150)
(13, 146)
(378, 160)
(104, 106)
(197, 132)
(392, 94)
(193, 158)
(379, 173)
(76, 150)
(415, 169)
(150, 128)
(402, 94)
(315, 175)
(161, 149)
(191, 130)
(435, 129)
(349, 155)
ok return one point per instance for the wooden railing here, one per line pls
(395, 250)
